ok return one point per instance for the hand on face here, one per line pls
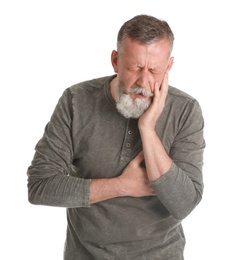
(149, 118)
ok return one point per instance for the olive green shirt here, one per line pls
(88, 138)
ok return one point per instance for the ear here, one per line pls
(170, 64)
(114, 59)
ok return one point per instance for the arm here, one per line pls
(157, 160)
(132, 182)
(177, 176)
(49, 179)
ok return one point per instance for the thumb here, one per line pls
(139, 158)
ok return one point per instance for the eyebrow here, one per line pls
(137, 65)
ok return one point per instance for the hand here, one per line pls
(134, 181)
(149, 118)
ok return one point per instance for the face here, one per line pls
(138, 68)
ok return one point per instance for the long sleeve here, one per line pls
(49, 179)
(181, 188)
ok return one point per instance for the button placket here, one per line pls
(127, 144)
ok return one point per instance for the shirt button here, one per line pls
(129, 132)
(128, 145)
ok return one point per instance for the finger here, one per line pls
(157, 89)
(165, 83)
(139, 158)
(157, 93)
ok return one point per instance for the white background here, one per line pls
(47, 46)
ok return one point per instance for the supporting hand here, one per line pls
(134, 180)
(149, 118)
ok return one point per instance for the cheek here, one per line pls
(128, 78)
(159, 79)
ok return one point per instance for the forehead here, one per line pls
(155, 52)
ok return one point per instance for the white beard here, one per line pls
(128, 107)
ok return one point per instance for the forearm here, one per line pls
(57, 189)
(176, 175)
(171, 184)
(156, 158)
(178, 193)
(133, 182)
(104, 189)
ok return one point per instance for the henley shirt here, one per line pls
(87, 138)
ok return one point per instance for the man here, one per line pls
(124, 154)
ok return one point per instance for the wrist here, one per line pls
(146, 126)
(104, 189)
(146, 131)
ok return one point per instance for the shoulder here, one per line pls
(90, 85)
(87, 95)
(176, 93)
(177, 97)
(182, 103)
(86, 90)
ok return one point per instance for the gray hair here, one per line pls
(145, 29)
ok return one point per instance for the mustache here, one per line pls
(139, 90)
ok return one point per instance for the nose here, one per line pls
(145, 80)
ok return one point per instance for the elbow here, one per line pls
(31, 200)
(180, 215)
(34, 196)
(185, 209)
